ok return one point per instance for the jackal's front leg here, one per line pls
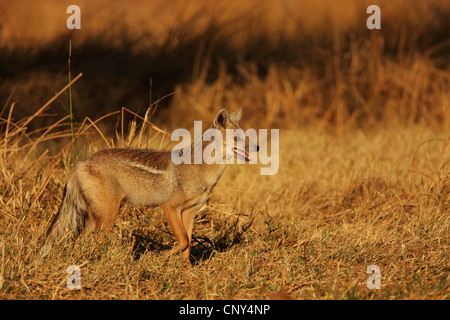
(173, 216)
(188, 216)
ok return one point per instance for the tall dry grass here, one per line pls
(364, 137)
(336, 206)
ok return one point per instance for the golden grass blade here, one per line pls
(7, 127)
(38, 112)
(43, 136)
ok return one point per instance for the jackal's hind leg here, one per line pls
(101, 216)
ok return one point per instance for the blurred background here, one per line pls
(286, 63)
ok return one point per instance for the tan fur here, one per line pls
(100, 184)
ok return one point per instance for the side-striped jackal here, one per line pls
(97, 187)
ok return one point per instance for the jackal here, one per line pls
(97, 187)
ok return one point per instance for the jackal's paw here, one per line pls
(184, 255)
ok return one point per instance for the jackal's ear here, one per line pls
(221, 119)
(236, 116)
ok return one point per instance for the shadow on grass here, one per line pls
(202, 247)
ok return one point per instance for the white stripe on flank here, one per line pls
(148, 169)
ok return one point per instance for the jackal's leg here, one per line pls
(101, 216)
(188, 216)
(173, 216)
(102, 195)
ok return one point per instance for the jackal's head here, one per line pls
(236, 142)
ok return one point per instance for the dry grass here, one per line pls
(336, 206)
(363, 179)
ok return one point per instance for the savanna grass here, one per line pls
(364, 136)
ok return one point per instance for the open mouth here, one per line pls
(242, 154)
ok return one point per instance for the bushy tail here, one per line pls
(71, 215)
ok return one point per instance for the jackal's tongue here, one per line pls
(242, 153)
